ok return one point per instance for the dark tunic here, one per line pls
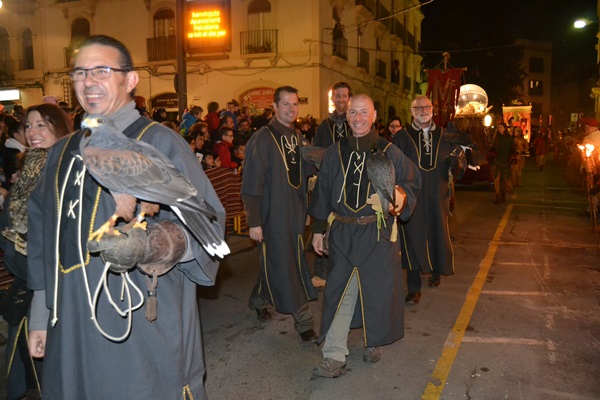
(158, 360)
(332, 129)
(425, 237)
(362, 249)
(505, 149)
(274, 194)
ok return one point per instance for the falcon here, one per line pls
(133, 170)
(381, 174)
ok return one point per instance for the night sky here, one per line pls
(468, 27)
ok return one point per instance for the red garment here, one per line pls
(212, 121)
(540, 145)
(223, 150)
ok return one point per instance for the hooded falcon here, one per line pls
(134, 170)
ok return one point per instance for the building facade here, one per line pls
(372, 44)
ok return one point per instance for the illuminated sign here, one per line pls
(9, 95)
(208, 26)
(257, 99)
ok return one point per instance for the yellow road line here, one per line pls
(442, 369)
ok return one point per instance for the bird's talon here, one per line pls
(140, 225)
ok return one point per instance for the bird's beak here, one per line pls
(87, 133)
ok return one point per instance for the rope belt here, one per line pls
(355, 221)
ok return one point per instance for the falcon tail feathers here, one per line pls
(203, 208)
(204, 231)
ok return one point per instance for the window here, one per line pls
(5, 64)
(536, 88)
(164, 23)
(536, 64)
(259, 15)
(80, 31)
(27, 50)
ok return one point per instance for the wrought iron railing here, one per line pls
(340, 48)
(363, 59)
(257, 42)
(380, 68)
(161, 48)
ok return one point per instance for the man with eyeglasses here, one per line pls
(224, 146)
(426, 246)
(90, 351)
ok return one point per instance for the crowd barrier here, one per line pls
(228, 183)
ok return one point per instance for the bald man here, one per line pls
(361, 255)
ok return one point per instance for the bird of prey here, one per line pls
(382, 176)
(134, 170)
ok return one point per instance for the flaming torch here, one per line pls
(590, 167)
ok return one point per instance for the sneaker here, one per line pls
(372, 354)
(318, 281)
(330, 368)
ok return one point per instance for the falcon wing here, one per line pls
(380, 171)
(138, 169)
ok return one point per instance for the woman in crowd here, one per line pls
(44, 125)
(393, 127)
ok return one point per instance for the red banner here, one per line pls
(443, 88)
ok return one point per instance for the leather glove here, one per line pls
(452, 161)
(400, 199)
(154, 250)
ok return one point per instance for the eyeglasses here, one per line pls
(395, 126)
(422, 108)
(98, 73)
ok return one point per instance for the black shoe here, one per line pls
(262, 314)
(309, 336)
(434, 280)
(413, 298)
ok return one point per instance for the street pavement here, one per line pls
(519, 319)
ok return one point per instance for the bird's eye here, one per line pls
(87, 133)
(100, 120)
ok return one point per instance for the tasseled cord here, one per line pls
(152, 301)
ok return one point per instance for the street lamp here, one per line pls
(581, 23)
(487, 120)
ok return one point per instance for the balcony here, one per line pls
(399, 30)
(383, 15)
(380, 68)
(259, 42)
(363, 59)
(340, 48)
(6, 70)
(368, 4)
(411, 41)
(161, 48)
(26, 64)
(408, 83)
